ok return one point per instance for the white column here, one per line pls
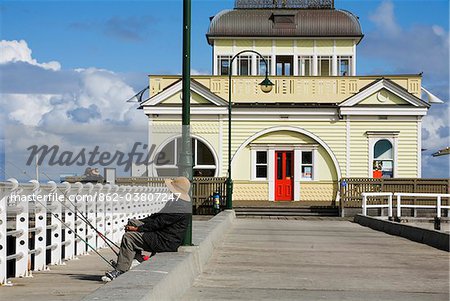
(274, 59)
(419, 147)
(297, 173)
(220, 150)
(315, 158)
(253, 164)
(271, 174)
(295, 65)
(150, 142)
(347, 147)
(214, 59)
(234, 66)
(354, 60)
(314, 62)
(334, 64)
(254, 61)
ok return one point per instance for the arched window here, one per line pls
(383, 159)
(202, 157)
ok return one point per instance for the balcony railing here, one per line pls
(288, 89)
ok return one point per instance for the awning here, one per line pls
(430, 97)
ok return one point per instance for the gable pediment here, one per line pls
(200, 95)
(383, 97)
(381, 93)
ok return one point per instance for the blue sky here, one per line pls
(68, 46)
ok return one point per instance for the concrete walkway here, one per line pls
(320, 260)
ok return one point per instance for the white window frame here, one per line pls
(301, 65)
(321, 58)
(373, 138)
(255, 164)
(247, 58)
(221, 58)
(259, 61)
(313, 164)
(349, 58)
(195, 165)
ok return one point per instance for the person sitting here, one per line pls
(160, 232)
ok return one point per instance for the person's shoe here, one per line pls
(111, 275)
(134, 263)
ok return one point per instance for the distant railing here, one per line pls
(351, 189)
(203, 189)
(46, 224)
(383, 195)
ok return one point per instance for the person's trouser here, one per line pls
(131, 247)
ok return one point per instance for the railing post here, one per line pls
(438, 207)
(3, 237)
(364, 204)
(69, 221)
(399, 206)
(100, 214)
(91, 236)
(40, 236)
(80, 225)
(390, 206)
(116, 213)
(22, 238)
(56, 230)
(108, 211)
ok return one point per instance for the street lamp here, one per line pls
(266, 86)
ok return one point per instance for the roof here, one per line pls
(307, 23)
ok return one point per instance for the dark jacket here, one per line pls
(164, 231)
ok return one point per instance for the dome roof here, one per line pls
(284, 23)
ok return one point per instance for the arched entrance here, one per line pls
(284, 157)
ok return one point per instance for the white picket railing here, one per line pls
(438, 197)
(44, 217)
(438, 207)
(365, 206)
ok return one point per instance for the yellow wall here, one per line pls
(344, 47)
(324, 47)
(407, 146)
(195, 99)
(285, 46)
(392, 99)
(332, 133)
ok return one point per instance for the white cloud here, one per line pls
(384, 18)
(86, 109)
(18, 51)
(411, 50)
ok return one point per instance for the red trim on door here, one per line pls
(284, 175)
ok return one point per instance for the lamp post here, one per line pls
(266, 86)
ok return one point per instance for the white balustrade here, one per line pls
(436, 196)
(30, 212)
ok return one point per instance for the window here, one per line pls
(307, 165)
(344, 65)
(244, 65)
(202, 158)
(324, 65)
(224, 64)
(283, 21)
(305, 65)
(261, 165)
(383, 159)
(262, 67)
(284, 65)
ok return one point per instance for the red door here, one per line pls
(284, 175)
